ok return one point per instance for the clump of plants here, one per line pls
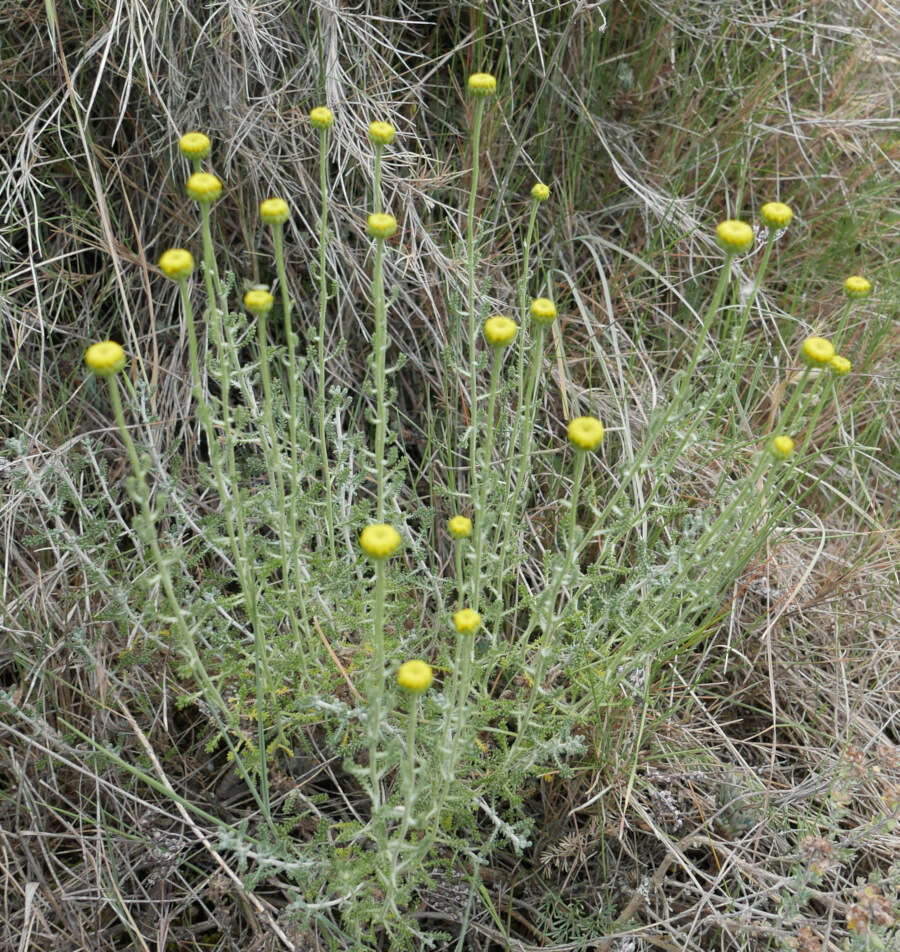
(439, 659)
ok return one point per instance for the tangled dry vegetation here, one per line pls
(743, 794)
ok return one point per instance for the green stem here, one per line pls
(460, 581)
(764, 264)
(219, 705)
(376, 683)
(380, 354)
(479, 494)
(376, 195)
(470, 298)
(323, 304)
(576, 492)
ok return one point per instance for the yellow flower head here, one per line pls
(734, 236)
(781, 447)
(543, 310)
(482, 84)
(274, 211)
(105, 358)
(776, 214)
(416, 676)
(380, 540)
(381, 133)
(840, 366)
(460, 527)
(500, 331)
(467, 621)
(585, 433)
(857, 286)
(380, 225)
(816, 352)
(540, 192)
(258, 301)
(321, 117)
(176, 263)
(204, 187)
(194, 145)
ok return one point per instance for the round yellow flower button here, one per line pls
(500, 331)
(176, 263)
(816, 351)
(857, 286)
(321, 117)
(258, 301)
(585, 433)
(840, 366)
(380, 225)
(776, 214)
(274, 211)
(543, 310)
(105, 358)
(734, 236)
(416, 676)
(380, 540)
(482, 84)
(381, 133)
(466, 621)
(540, 192)
(204, 187)
(194, 145)
(781, 447)
(460, 527)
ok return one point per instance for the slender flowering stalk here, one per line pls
(380, 227)
(856, 288)
(499, 332)
(466, 622)
(480, 85)
(196, 147)
(415, 678)
(542, 312)
(379, 541)
(106, 359)
(585, 435)
(380, 135)
(775, 216)
(323, 119)
(460, 528)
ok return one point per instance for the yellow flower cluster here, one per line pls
(857, 286)
(380, 540)
(258, 301)
(379, 225)
(415, 676)
(467, 621)
(735, 236)
(776, 214)
(204, 187)
(585, 433)
(500, 331)
(105, 358)
(321, 117)
(176, 263)
(816, 352)
(540, 192)
(274, 211)
(381, 133)
(460, 527)
(781, 447)
(194, 145)
(482, 84)
(543, 310)
(840, 366)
